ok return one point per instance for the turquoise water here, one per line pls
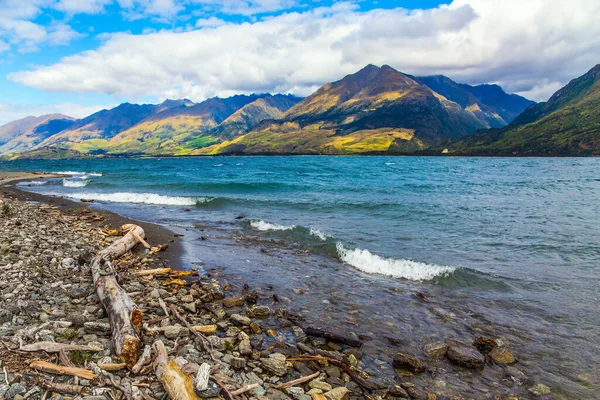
(502, 245)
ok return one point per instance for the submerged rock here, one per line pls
(436, 350)
(539, 390)
(407, 362)
(502, 356)
(466, 356)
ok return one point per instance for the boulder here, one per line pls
(275, 363)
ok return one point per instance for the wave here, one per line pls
(267, 226)
(32, 183)
(141, 198)
(318, 234)
(74, 184)
(365, 261)
(78, 174)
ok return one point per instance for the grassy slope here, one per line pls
(374, 110)
(568, 124)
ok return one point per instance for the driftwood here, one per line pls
(156, 271)
(369, 386)
(244, 389)
(61, 387)
(112, 367)
(297, 381)
(176, 383)
(144, 360)
(60, 370)
(52, 347)
(125, 316)
(332, 337)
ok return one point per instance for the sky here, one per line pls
(79, 56)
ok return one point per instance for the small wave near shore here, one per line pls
(364, 260)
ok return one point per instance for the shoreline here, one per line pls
(157, 233)
(55, 302)
(175, 253)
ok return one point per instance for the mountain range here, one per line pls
(375, 110)
(568, 124)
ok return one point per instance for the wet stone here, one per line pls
(502, 356)
(436, 350)
(466, 356)
(408, 362)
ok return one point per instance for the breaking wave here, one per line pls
(142, 198)
(78, 174)
(318, 234)
(267, 226)
(32, 183)
(370, 263)
(74, 184)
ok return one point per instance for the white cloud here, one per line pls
(12, 112)
(529, 46)
(244, 7)
(17, 29)
(72, 7)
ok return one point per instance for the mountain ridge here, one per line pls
(567, 124)
(375, 110)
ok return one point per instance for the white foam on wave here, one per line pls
(267, 226)
(365, 261)
(75, 184)
(318, 234)
(140, 198)
(78, 174)
(32, 183)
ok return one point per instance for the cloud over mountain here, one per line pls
(512, 43)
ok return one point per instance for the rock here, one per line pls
(397, 391)
(171, 332)
(190, 307)
(16, 389)
(78, 320)
(77, 293)
(317, 384)
(338, 393)
(245, 346)
(238, 363)
(436, 350)
(318, 396)
(97, 328)
(234, 301)
(275, 363)
(258, 311)
(502, 356)
(407, 362)
(188, 298)
(212, 390)
(539, 390)
(240, 319)
(274, 394)
(297, 393)
(5, 316)
(485, 344)
(466, 356)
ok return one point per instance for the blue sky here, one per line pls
(78, 56)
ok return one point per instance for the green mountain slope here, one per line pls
(26, 133)
(179, 130)
(377, 109)
(567, 124)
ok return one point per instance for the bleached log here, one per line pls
(60, 370)
(156, 271)
(125, 317)
(53, 347)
